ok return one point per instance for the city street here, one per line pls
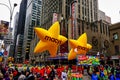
(59, 40)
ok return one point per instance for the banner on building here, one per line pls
(73, 19)
(4, 27)
(55, 17)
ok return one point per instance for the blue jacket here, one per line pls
(94, 77)
(111, 77)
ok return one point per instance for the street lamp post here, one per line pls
(11, 9)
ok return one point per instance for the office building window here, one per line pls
(117, 49)
(39, 2)
(79, 29)
(106, 29)
(82, 26)
(101, 26)
(115, 36)
(79, 9)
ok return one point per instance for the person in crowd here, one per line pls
(69, 73)
(111, 76)
(22, 76)
(3, 70)
(91, 70)
(105, 74)
(11, 76)
(64, 75)
(1, 76)
(101, 76)
(6, 77)
(16, 74)
(62, 72)
(117, 75)
(94, 76)
(31, 76)
(27, 73)
(51, 76)
(80, 75)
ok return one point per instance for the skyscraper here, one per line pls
(75, 17)
(15, 33)
(22, 16)
(32, 19)
(71, 14)
(19, 29)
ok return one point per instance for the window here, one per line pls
(115, 36)
(82, 26)
(101, 27)
(117, 49)
(39, 2)
(107, 30)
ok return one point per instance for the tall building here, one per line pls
(54, 10)
(115, 43)
(15, 31)
(49, 7)
(18, 48)
(75, 17)
(114, 38)
(86, 10)
(81, 11)
(33, 16)
(22, 16)
(103, 16)
(19, 29)
(72, 12)
(104, 23)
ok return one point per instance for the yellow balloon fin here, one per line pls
(89, 46)
(83, 39)
(41, 33)
(71, 55)
(55, 29)
(62, 38)
(73, 43)
(53, 51)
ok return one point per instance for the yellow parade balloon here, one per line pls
(79, 46)
(49, 39)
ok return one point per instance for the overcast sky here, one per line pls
(110, 7)
(4, 11)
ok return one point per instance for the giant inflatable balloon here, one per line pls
(79, 46)
(49, 39)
